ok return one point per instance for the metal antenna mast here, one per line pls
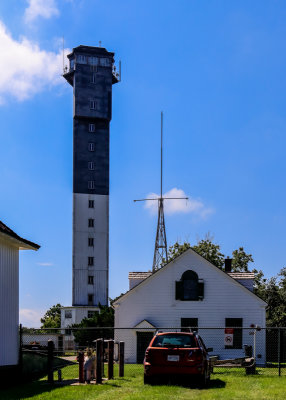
(161, 250)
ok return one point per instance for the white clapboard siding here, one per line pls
(154, 300)
(9, 304)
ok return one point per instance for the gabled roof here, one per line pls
(144, 324)
(23, 243)
(180, 255)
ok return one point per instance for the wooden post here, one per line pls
(121, 359)
(99, 356)
(50, 361)
(60, 375)
(102, 358)
(110, 358)
(80, 366)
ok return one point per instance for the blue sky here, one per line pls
(216, 69)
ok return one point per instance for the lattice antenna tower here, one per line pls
(161, 250)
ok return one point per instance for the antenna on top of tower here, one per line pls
(161, 250)
(64, 66)
(99, 43)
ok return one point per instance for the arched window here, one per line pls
(189, 288)
(190, 285)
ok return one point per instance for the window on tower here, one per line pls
(90, 261)
(90, 280)
(93, 104)
(90, 242)
(91, 146)
(93, 60)
(91, 185)
(81, 59)
(105, 62)
(91, 127)
(91, 314)
(90, 299)
(90, 222)
(90, 203)
(93, 78)
(90, 165)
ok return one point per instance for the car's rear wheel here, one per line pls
(148, 380)
(204, 379)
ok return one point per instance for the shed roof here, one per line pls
(139, 275)
(23, 243)
(241, 275)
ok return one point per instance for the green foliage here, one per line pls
(52, 318)
(240, 260)
(175, 250)
(104, 319)
(205, 247)
(210, 251)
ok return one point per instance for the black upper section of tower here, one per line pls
(91, 73)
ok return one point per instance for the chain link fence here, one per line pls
(233, 349)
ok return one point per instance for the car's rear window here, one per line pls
(174, 340)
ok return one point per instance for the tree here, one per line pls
(175, 250)
(259, 284)
(240, 260)
(210, 251)
(205, 247)
(52, 318)
(103, 319)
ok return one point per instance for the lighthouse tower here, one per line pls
(91, 73)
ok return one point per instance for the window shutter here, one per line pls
(179, 290)
(201, 287)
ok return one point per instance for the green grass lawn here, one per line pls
(224, 385)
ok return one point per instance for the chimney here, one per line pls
(227, 264)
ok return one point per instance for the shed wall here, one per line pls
(9, 304)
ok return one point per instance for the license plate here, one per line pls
(173, 358)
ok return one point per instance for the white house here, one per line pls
(191, 292)
(10, 244)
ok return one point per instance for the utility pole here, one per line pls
(161, 250)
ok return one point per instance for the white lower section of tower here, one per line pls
(90, 257)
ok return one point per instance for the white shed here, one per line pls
(10, 244)
(190, 291)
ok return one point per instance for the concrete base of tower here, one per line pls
(74, 315)
(90, 249)
(70, 316)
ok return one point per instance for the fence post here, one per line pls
(121, 359)
(80, 366)
(102, 358)
(279, 351)
(110, 358)
(99, 355)
(50, 361)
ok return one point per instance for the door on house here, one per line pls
(143, 340)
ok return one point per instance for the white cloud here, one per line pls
(191, 205)
(25, 68)
(40, 8)
(30, 318)
(45, 264)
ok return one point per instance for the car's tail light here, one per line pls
(148, 355)
(195, 355)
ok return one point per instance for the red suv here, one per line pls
(177, 353)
